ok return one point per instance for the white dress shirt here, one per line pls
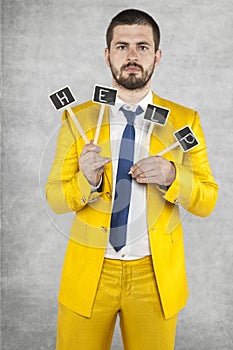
(137, 241)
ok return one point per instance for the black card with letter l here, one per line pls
(186, 138)
(156, 114)
(62, 97)
(103, 94)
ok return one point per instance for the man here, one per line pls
(125, 255)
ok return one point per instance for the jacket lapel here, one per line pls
(162, 136)
(105, 144)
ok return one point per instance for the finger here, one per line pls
(100, 163)
(147, 173)
(159, 178)
(136, 169)
(147, 167)
(146, 180)
(149, 161)
(146, 170)
(90, 148)
(151, 180)
(137, 172)
(91, 157)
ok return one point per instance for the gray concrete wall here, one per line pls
(48, 44)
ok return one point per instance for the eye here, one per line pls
(121, 47)
(143, 48)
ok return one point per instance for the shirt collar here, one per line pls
(143, 103)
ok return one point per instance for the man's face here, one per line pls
(132, 57)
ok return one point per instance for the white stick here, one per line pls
(146, 143)
(76, 122)
(174, 145)
(101, 114)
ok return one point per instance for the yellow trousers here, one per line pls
(127, 288)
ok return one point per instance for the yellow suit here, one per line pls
(67, 190)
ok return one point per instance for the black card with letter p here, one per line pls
(186, 138)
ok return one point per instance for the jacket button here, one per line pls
(92, 200)
(103, 228)
(83, 199)
(108, 194)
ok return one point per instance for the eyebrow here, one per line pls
(121, 43)
(144, 43)
(139, 43)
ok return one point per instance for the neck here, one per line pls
(132, 96)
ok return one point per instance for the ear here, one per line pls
(107, 53)
(158, 56)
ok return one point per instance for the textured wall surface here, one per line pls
(50, 43)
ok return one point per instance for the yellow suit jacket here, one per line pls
(68, 190)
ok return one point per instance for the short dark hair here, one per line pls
(130, 17)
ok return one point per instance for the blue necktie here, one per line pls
(122, 197)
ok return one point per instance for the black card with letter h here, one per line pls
(62, 98)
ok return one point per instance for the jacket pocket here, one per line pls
(95, 236)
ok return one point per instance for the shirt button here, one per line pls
(122, 255)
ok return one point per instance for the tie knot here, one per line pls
(130, 114)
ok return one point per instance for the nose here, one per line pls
(132, 54)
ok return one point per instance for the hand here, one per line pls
(92, 164)
(155, 170)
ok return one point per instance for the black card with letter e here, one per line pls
(156, 114)
(62, 97)
(186, 138)
(103, 94)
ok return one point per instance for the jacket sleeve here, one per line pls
(194, 187)
(67, 188)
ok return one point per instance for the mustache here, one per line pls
(131, 64)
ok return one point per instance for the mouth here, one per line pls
(132, 68)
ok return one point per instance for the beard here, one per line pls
(132, 82)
